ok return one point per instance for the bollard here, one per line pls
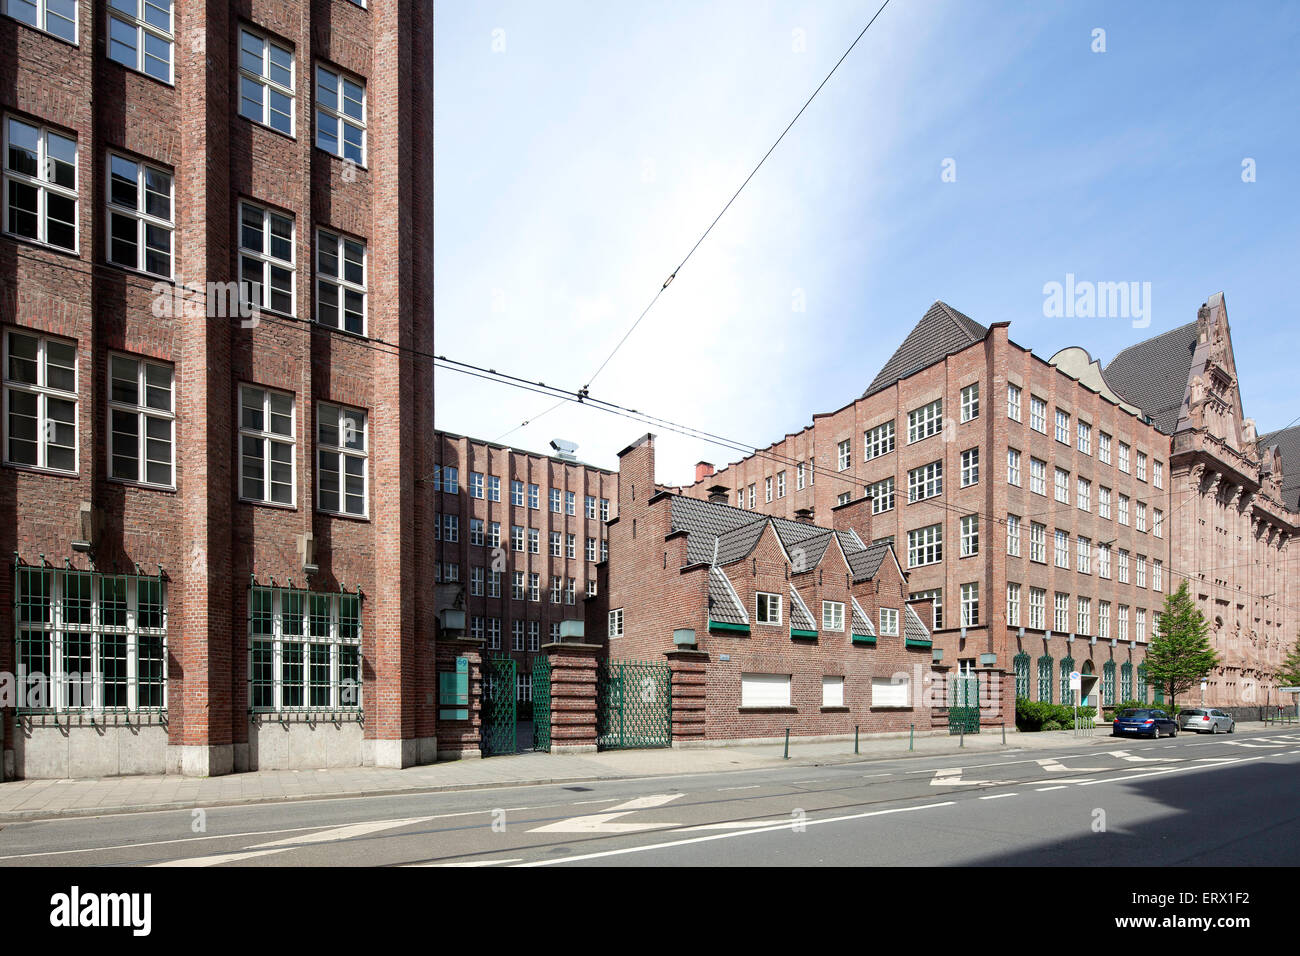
(963, 736)
(787, 744)
(911, 735)
(1004, 735)
(855, 738)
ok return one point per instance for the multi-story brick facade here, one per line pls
(1041, 503)
(518, 538)
(212, 494)
(793, 626)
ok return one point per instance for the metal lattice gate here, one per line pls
(498, 707)
(633, 705)
(542, 703)
(964, 704)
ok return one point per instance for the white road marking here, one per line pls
(730, 834)
(739, 825)
(997, 796)
(604, 822)
(218, 859)
(1125, 755)
(951, 777)
(1166, 770)
(752, 786)
(346, 832)
(469, 863)
(1045, 789)
(1052, 765)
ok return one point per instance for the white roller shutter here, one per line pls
(885, 693)
(832, 691)
(764, 690)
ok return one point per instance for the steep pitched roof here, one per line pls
(1153, 374)
(1287, 441)
(941, 331)
(866, 563)
(913, 628)
(721, 534)
(861, 623)
(801, 618)
(724, 605)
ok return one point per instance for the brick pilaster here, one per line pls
(689, 688)
(458, 739)
(573, 697)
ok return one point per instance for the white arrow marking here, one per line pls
(279, 846)
(1125, 755)
(604, 822)
(1055, 766)
(951, 777)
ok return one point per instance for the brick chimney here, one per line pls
(855, 515)
(804, 515)
(703, 469)
(636, 473)
(720, 494)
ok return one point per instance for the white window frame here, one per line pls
(268, 439)
(925, 421)
(970, 467)
(140, 215)
(1083, 497)
(844, 452)
(769, 611)
(970, 535)
(970, 402)
(888, 622)
(43, 14)
(925, 546)
(1013, 604)
(877, 441)
(339, 117)
(1084, 431)
(278, 638)
(342, 244)
(882, 496)
(144, 29)
(265, 83)
(1062, 426)
(1013, 535)
(616, 622)
(330, 413)
(925, 481)
(143, 412)
(1038, 477)
(832, 615)
(1013, 402)
(970, 604)
(43, 185)
(1013, 467)
(43, 393)
(266, 259)
(1037, 542)
(1038, 414)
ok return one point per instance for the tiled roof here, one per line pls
(1153, 374)
(737, 543)
(801, 618)
(866, 562)
(913, 628)
(941, 331)
(861, 623)
(721, 534)
(724, 606)
(1287, 441)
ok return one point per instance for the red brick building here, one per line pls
(216, 312)
(791, 625)
(517, 537)
(1048, 506)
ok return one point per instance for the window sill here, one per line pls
(323, 715)
(267, 504)
(36, 470)
(363, 519)
(343, 160)
(292, 137)
(45, 33)
(141, 485)
(44, 246)
(767, 710)
(834, 710)
(96, 718)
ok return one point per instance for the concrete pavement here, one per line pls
(38, 799)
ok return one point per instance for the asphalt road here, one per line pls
(1225, 800)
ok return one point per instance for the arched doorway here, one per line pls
(1089, 691)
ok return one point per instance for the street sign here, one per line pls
(1076, 680)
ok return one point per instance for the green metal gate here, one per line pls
(542, 703)
(964, 704)
(633, 705)
(498, 707)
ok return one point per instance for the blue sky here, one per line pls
(582, 147)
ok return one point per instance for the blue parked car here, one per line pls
(1143, 722)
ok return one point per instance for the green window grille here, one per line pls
(304, 652)
(1142, 682)
(1126, 681)
(1108, 684)
(1021, 662)
(89, 641)
(1045, 678)
(1067, 693)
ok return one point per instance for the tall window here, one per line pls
(139, 216)
(1084, 497)
(1013, 467)
(40, 184)
(845, 451)
(1063, 427)
(556, 500)
(934, 595)
(970, 535)
(141, 36)
(879, 441)
(767, 489)
(616, 622)
(970, 605)
(340, 282)
(1037, 476)
(305, 650)
(40, 396)
(56, 17)
(1083, 623)
(1037, 414)
(90, 641)
(1061, 612)
(266, 81)
(1062, 486)
(1037, 607)
(141, 421)
(1103, 448)
(882, 495)
(341, 461)
(266, 445)
(266, 258)
(1013, 535)
(925, 482)
(1085, 438)
(925, 421)
(1123, 457)
(1037, 542)
(1062, 539)
(925, 546)
(534, 497)
(970, 402)
(970, 467)
(341, 114)
(1013, 402)
(1013, 620)
(1083, 555)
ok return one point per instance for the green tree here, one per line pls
(1288, 674)
(1179, 656)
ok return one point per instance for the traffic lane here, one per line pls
(235, 828)
(1158, 817)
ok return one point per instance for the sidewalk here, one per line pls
(41, 799)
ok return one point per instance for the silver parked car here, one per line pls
(1206, 720)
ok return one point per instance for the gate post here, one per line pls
(573, 697)
(458, 739)
(689, 676)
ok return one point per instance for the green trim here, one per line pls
(724, 626)
(864, 639)
(914, 642)
(795, 632)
